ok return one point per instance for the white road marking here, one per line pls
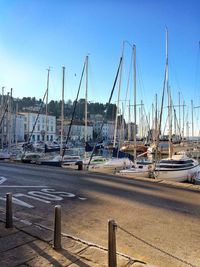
(18, 202)
(32, 197)
(2, 179)
(23, 186)
(46, 196)
(61, 193)
(82, 198)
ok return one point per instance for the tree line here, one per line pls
(54, 108)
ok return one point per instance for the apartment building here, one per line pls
(40, 128)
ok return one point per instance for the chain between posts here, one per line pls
(155, 247)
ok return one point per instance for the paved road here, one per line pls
(164, 216)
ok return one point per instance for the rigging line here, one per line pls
(38, 114)
(172, 66)
(196, 71)
(147, 120)
(165, 124)
(179, 129)
(141, 83)
(5, 108)
(106, 111)
(128, 84)
(155, 247)
(129, 76)
(74, 110)
(161, 111)
(91, 82)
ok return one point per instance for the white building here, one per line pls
(107, 131)
(42, 130)
(18, 129)
(12, 129)
(78, 131)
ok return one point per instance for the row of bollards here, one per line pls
(112, 259)
(57, 221)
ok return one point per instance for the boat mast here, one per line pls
(169, 99)
(179, 109)
(156, 117)
(86, 99)
(175, 123)
(122, 125)
(9, 120)
(2, 111)
(62, 111)
(118, 98)
(16, 116)
(183, 118)
(134, 71)
(129, 122)
(47, 96)
(152, 123)
(192, 109)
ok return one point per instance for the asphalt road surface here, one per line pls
(157, 222)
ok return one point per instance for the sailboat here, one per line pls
(59, 159)
(176, 167)
(103, 164)
(139, 168)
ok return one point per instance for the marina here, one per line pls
(100, 133)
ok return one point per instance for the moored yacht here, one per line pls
(4, 154)
(142, 168)
(178, 168)
(58, 160)
(112, 164)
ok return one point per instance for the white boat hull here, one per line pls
(112, 165)
(177, 175)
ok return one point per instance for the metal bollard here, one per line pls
(57, 228)
(112, 257)
(9, 216)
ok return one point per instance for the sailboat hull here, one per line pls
(178, 176)
(179, 168)
(112, 165)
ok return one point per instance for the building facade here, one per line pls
(107, 132)
(78, 131)
(12, 129)
(39, 128)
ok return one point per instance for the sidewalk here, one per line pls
(31, 245)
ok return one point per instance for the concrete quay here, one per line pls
(27, 244)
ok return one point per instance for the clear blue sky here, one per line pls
(35, 34)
